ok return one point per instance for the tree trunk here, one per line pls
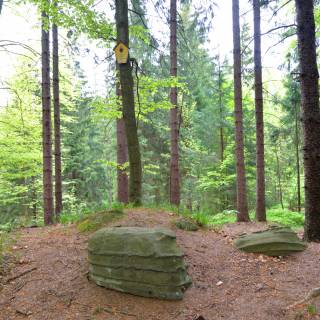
(279, 179)
(309, 78)
(57, 130)
(122, 157)
(1, 3)
(260, 178)
(174, 124)
(128, 109)
(46, 126)
(34, 200)
(221, 114)
(297, 158)
(242, 205)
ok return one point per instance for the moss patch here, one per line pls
(98, 220)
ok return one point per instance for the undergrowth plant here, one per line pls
(283, 217)
(276, 215)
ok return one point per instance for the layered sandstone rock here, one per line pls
(141, 261)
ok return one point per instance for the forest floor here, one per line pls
(49, 278)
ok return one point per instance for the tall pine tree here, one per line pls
(46, 123)
(128, 106)
(57, 130)
(260, 175)
(242, 205)
(174, 122)
(309, 78)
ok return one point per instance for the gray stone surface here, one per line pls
(134, 241)
(276, 241)
(141, 261)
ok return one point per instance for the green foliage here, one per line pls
(78, 16)
(151, 95)
(20, 134)
(106, 108)
(312, 309)
(87, 172)
(205, 103)
(6, 227)
(223, 218)
(286, 217)
(201, 218)
(277, 215)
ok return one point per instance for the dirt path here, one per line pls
(227, 284)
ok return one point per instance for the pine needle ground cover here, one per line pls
(214, 266)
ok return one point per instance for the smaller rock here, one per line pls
(275, 241)
(23, 312)
(186, 224)
(262, 259)
(313, 293)
(259, 287)
(219, 283)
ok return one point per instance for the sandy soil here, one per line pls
(49, 279)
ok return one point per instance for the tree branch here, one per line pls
(280, 41)
(281, 7)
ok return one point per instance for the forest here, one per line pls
(199, 116)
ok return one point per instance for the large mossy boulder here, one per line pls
(141, 261)
(276, 241)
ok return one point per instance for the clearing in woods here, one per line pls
(49, 278)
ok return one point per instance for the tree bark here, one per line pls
(57, 129)
(46, 125)
(309, 78)
(297, 158)
(279, 179)
(1, 4)
(221, 114)
(260, 175)
(122, 156)
(174, 124)
(242, 205)
(128, 108)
